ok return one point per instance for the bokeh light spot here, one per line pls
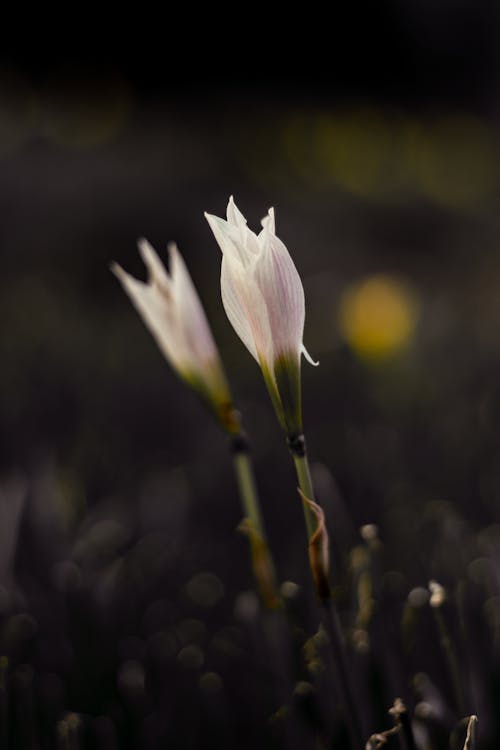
(205, 589)
(378, 316)
(131, 678)
(354, 148)
(454, 160)
(211, 683)
(418, 597)
(246, 606)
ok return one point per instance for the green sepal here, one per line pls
(287, 378)
(214, 393)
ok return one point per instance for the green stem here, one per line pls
(330, 619)
(248, 490)
(305, 484)
(262, 561)
(265, 577)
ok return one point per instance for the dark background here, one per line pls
(126, 595)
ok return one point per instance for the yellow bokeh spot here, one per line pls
(378, 316)
(354, 148)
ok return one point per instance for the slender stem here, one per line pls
(265, 576)
(305, 484)
(470, 740)
(262, 561)
(329, 612)
(248, 490)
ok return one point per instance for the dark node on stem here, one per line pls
(297, 445)
(240, 443)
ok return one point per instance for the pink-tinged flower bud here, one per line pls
(263, 298)
(172, 311)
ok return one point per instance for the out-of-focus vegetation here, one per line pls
(128, 617)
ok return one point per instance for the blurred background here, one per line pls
(127, 611)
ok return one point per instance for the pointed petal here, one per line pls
(156, 270)
(233, 235)
(246, 310)
(119, 272)
(268, 222)
(189, 312)
(155, 310)
(281, 288)
(234, 215)
(308, 357)
(235, 304)
(133, 287)
(226, 234)
(245, 237)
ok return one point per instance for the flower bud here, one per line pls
(263, 298)
(172, 311)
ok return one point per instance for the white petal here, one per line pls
(234, 215)
(233, 235)
(155, 310)
(235, 310)
(245, 238)
(190, 317)
(245, 309)
(308, 357)
(281, 287)
(156, 270)
(228, 237)
(268, 222)
(120, 273)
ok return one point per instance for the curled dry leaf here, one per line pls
(319, 549)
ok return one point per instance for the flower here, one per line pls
(172, 311)
(263, 298)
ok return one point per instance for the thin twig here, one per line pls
(379, 739)
(400, 714)
(470, 740)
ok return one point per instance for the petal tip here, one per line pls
(308, 357)
(117, 270)
(146, 249)
(268, 222)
